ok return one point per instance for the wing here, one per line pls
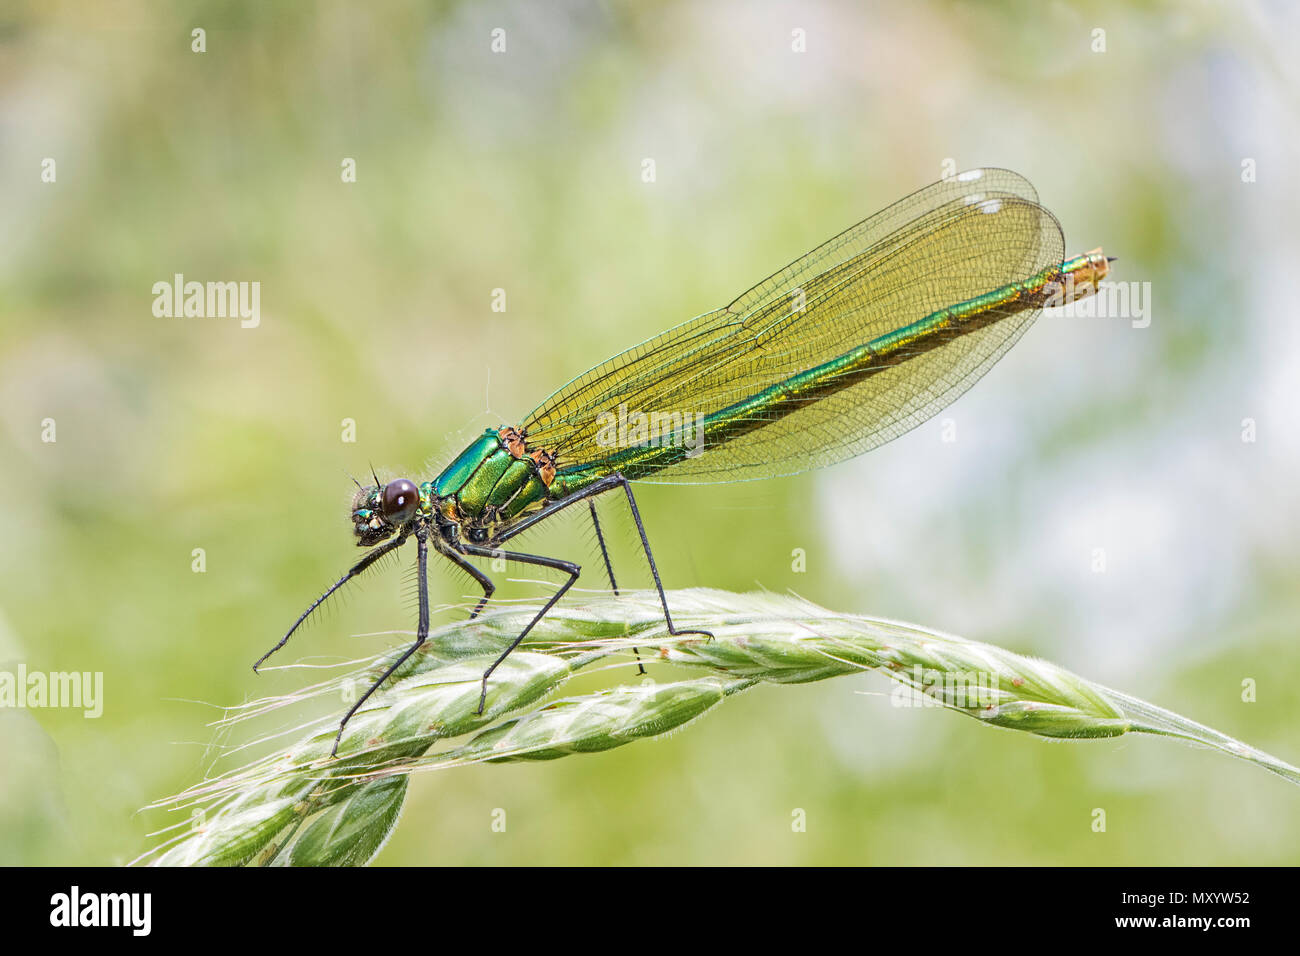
(952, 241)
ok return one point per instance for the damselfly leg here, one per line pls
(421, 631)
(609, 569)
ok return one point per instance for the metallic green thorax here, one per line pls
(486, 481)
(455, 475)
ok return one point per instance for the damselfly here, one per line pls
(852, 345)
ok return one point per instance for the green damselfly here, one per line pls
(852, 345)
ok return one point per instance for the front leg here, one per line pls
(352, 572)
(421, 631)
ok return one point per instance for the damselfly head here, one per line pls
(380, 511)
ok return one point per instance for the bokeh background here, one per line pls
(522, 171)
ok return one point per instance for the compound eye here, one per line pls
(478, 535)
(400, 501)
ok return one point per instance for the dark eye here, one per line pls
(478, 535)
(400, 500)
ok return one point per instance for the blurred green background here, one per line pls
(521, 171)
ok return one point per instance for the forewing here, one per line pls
(952, 241)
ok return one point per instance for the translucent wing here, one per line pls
(947, 243)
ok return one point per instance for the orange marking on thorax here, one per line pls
(545, 462)
(514, 440)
